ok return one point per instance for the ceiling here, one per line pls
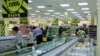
(55, 5)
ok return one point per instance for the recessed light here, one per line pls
(85, 9)
(70, 9)
(30, 1)
(37, 11)
(82, 4)
(64, 5)
(41, 7)
(50, 10)
(29, 8)
(57, 13)
(74, 12)
(46, 13)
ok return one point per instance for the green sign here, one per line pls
(14, 8)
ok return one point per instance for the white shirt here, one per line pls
(19, 38)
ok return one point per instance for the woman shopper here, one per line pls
(30, 38)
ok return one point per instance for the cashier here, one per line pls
(19, 38)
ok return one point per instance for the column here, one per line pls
(98, 30)
(6, 26)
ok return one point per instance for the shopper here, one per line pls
(19, 38)
(60, 31)
(85, 29)
(23, 29)
(46, 30)
(81, 33)
(76, 32)
(30, 38)
(37, 32)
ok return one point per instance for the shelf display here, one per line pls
(53, 31)
(93, 31)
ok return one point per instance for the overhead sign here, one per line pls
(23, 20)
(14, 8)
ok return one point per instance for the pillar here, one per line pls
(98, 30)
(6, 27)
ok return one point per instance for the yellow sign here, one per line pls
(14, 5)
(2, 28)
(14, 8)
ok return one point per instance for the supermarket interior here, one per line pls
(49, 28)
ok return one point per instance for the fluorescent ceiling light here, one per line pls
(70, 9)
(81, 4)
(77, 14)
(50, 10)
(29, 8)
(46, 13)
(37, 11)
(30, 1)
(64, 5)
(33, 14)
(41, 7)
(46, 17)
(85, 9)
(57, 13)
(61, 15)
(89, 14)
(52, 15)
(80, 17)
(74, 12)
